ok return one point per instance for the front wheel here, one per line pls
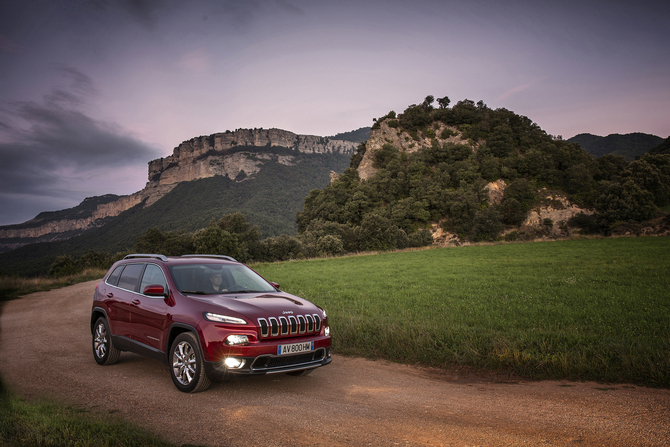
(187, 366)
(104, 351)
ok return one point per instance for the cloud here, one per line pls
(50, 149)
(513, 91)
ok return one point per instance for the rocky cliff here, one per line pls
(238, 155)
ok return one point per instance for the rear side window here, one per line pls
(153, 275)
(130, 276)
(114, 277)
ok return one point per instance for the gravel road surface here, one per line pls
(45, 346)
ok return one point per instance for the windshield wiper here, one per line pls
(194, 292)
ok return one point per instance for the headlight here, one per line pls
(233, 363)
(237, 340)
(223, 319)
(326, 331)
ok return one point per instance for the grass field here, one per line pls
(582, 310)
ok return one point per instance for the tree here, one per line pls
(501, 141)
(427, 103)
(623, 202)
(487, 224)
(443, 102)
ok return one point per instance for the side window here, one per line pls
(114, 277)
(130, 276)
(153, 275)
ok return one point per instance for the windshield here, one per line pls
(211, 279)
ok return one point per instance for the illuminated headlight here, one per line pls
(237, 340)
(223, 319)
(326, 331)
(233, 363)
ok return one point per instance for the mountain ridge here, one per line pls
(238, 155)
(630, 145)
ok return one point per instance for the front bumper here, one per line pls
(270, 364)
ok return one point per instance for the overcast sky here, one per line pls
(91, 91)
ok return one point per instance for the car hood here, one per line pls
(257, 305)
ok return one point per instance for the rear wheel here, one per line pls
(186, 365)
(104, 351)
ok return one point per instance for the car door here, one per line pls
(120, 297)
(148, 313)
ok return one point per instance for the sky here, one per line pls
(92, 90)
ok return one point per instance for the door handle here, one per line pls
(136, 301)
(110, 295)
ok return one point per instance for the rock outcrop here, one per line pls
(238, 155)
(386, 134)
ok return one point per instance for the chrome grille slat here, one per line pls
(274, 326)
(289, 325)
(284, 325)
(263, 324)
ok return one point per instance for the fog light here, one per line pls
(233, 363)
(237, 339)
(326, 331)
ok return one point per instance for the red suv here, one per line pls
(207, 317)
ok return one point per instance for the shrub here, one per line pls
(329, 245)
(487, 225)
(421, 238)
(63, 266)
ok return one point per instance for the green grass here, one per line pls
(47, 424)
(581, 310)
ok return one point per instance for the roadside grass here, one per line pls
(47, 424)
(12, 287)
(595, 309)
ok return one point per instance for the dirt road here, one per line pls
(45, 346)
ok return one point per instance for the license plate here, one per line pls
(295, 348)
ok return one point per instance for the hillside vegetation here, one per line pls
(416, 185)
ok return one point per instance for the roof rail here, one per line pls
(145, 255)
(227, 258)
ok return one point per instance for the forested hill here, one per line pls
(479, 174)
(628, 145)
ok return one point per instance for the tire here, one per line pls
(104, 351)
(303, 372)
(186, 364)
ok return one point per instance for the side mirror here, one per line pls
(154, 290)
(274, 284)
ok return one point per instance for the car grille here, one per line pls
(269, 362)
(289, 325)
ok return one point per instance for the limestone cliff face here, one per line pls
(209, 155)
(402, 141)
(202, 157)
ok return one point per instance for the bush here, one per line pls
(421, 238)
(488, 224)
(63, 266)
(329, 245)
